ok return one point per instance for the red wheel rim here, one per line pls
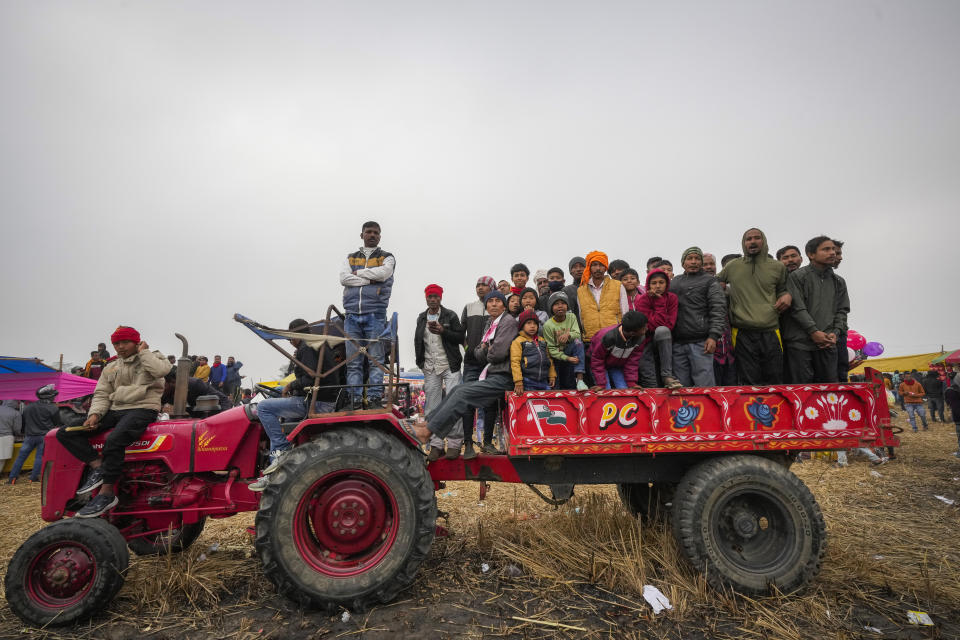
(61, 575)
(345, 523)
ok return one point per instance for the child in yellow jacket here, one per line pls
(529, 361)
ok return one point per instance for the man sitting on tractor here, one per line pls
(195, 388)
(293, 404)
(126, 399)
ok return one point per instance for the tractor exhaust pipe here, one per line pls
(183, 376)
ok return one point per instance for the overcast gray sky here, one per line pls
(166, 164)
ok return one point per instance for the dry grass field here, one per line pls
(516, 567)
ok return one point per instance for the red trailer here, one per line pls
(351, 513)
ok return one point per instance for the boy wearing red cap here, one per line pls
(126, 400)
(530, 363)
(437, 341)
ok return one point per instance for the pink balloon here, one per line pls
(855, 341)
(873, 349)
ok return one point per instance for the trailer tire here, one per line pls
(160, 544)
(346, 520)
(66, 572)
(645, 501)
(749, 523)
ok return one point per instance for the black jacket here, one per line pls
(932, 385)
(820, 302)
(452, 337)
(39, 417)
(311, 357)
(701, 307)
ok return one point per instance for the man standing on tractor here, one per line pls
(367, 279)
(126, 400)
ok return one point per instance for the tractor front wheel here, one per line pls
(346, 520)
(66, 572)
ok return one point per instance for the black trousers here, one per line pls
(843, 358)
(759, 357)
(128, 425)
(819, 365)
(935, 404)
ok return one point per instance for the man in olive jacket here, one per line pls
(817, 316)
(757, 289)
(126, 400)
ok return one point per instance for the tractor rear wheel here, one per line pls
(749, 523)
(346, 520)
(66, 572)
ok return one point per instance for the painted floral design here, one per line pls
(833, 407)
(811, 413)
(762, 413)
(685, 416)
(854, 415)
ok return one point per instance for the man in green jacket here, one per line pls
(757, 289)
(817, 316)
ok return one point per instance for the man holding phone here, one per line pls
(437, 341)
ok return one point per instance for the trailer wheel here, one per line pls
(749, 523)
(646, 501)
(66, 572)
(346, 520)
(172, 541)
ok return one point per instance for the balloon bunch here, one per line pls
(858, 349)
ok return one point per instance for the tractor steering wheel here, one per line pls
(270, 392)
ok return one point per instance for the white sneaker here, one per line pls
(581, 385)
(276, 459)
(260, 484)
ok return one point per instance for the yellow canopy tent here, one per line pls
(920, 362)
(279, 383)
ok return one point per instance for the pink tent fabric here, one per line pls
(23, 386)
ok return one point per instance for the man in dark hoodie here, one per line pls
(933, 387)
(952, 397)
(758, 295)
(817, 316)
(576, 268)
(494, 350)
(701, 321)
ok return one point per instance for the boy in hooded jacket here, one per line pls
(659, 305)
(530, 363)
(615, 353)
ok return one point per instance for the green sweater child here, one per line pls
(561, 332)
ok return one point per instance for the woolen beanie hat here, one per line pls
(559, 295)
(487, 280)
(541, 274)
(433, 290)
(575, 260)
(494, 294)
(695, 250)
(124, 333)
(529, 314)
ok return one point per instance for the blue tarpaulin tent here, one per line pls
(23, 365)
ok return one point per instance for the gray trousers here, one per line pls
(464, 398)
(435, 387)
(693, 367)
(661, 344)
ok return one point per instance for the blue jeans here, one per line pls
(536, 385)
(29, 444)
(566, 372)
(615, 379)
(369, 326)
(293, 408)
(912, 410)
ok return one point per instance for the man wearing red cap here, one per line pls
(126, 400)
(437, 341)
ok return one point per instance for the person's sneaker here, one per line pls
(452, 453)
(356, 404)
(259, 484)
(879, 461)
(11, 481)
(957, 453)
(434, 455)
(98, 506)
(672, 383)
(94, 480)
(581, 385)
(489, 449)
(470, 453)
(374, 403)
(276, 459)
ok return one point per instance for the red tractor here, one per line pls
(351, 514)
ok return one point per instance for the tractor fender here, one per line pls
(385, 421)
